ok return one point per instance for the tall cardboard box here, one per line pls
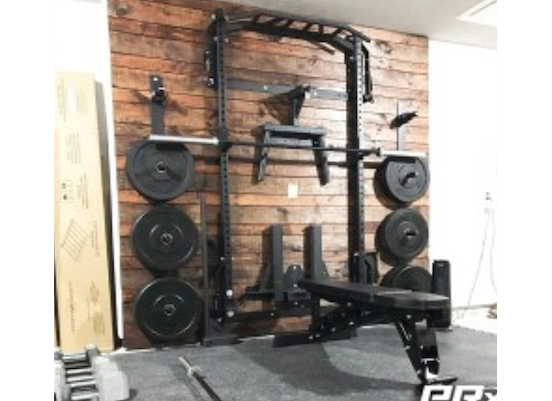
(82, 273)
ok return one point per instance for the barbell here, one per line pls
(212, 141)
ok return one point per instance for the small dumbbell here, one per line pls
(80, 363)
(74, 374)
(106, 382)
(91, 351)
(74, 362)
(99, 363)
(109, 384)
(86, 396)
(89, 382)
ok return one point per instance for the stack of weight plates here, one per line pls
(403, 234)
(164, 239)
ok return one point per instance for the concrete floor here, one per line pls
(475, 319)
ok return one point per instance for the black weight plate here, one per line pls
(160, 171)
(412, 278)
(164, 238)
(168, 310)
(387, 280)
(403, 179)
(403, 234)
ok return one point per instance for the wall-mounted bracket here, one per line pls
(401, 119)
(158, 98)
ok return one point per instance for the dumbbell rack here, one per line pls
(88, 376)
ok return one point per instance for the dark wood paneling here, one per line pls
(167, 37)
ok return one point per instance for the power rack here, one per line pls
(358, 91)
(357, 302)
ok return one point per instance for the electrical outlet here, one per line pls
(293, 190)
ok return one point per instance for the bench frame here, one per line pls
(419, 339)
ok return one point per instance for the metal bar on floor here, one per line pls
(195, 373)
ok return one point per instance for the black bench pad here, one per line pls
(394, 298)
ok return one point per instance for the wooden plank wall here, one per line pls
(167, 37)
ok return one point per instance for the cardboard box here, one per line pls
(83, 287)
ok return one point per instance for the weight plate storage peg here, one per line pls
(160, 171)
(402, 235)
(164, 238)
(403, 179)
(168, 310)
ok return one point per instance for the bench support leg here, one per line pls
(420, 344)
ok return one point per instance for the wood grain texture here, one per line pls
(168, 37)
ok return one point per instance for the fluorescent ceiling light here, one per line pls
(484, 13)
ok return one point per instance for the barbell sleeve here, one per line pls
(185, 139)
(195, 373)
(401, 153)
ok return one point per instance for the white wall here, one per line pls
(82, 44)
(463, 134)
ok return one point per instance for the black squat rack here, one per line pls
(359, 90)
(359, 302)
(343, 38)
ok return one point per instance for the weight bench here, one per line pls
(363, 304)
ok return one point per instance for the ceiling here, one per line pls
(436, 19)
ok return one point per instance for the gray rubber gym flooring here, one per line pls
(372, 366)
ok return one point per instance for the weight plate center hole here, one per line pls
(409, 178)
(169, 309)
(410, 233)
(161, 168)
(166, 238)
